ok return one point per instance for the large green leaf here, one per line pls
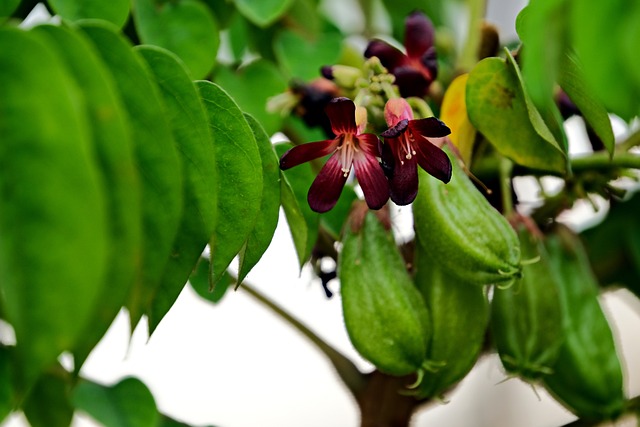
(114, 11)
(499, 108)
(265, 226)
(195, 147)
(571, 79)
(52, 221)
(156, 157)
(114, 154)
(7, 7)
(185, 27)
(126, 404)
(263, 12)
(48, 403)
(251, 86)
(296, 182)
(302, 58)
(200, 281)
(6, 390)
(239, 176)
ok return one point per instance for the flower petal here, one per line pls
(411, 81)
(372, 180)
(418, 36)
(389, 56)
(326, 188)
(431, 127)
(396, 130)
(397, 109)
(306, 152)
(433, 160)
(430, 61)
(369, 143)
(342, 113)
(404, 182)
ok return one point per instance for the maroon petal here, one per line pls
(418, 36)
(411, 82)
(430, 61)
(389, 56)
(397, 130)
(372, 180)
(326, 188)
(369, 143)
(342, 113)
(431, 127)
(404, 181)
(306, 152)
(433, 160)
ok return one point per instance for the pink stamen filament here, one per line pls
(348, 148)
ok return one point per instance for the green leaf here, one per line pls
(296, 220)
(385, 315)
(48, 403)
(113, 150)
(190, 128)
(600, 32)
(52, 222)
(265, 226)
(200, 282)
(239, 176)
(126, 404)
(572, 81)
(7, 7)
(114, 11)
(185, 27)
(499, 108)
(302, 58)
(6, 390)
(293, 194)
(155, 154)
(263, 12)
(334, 220)
(251, 86)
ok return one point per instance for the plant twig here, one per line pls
(347, 371)
(469, 55)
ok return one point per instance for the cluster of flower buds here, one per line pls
(385, 96)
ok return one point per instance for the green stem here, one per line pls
(506, 166)
(600, 162)
(632, 141)
(347, 371)
(469, 55)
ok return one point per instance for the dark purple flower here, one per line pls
(349, 147)
(416, 70)
(407, 145)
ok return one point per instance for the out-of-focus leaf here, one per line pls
(333, 221)
(613, 245)
(126, 404)
(48, 403)
(166, 421)
(498, 107)
(155, 154)
(114, 11)
(600, 32)
(262, 233)
(223, 10)
(6, 390)
(454, 113)
(294, 201)
(52, 222)
(263, 12)
(251, 86)
(571, 79)
(185, 27)
(114, 154)
(190, 128)
(201, 282)
(239, 176)
(400, 9)
(302, 58)
(303, 16)
(7, 7)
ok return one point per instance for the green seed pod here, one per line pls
(459, 316)
(384, 313)
(526, 318)
(587, 376)
(466, 235)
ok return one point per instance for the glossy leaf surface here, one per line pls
(263, 12)
(114, 11)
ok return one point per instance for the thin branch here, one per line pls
(347, 371)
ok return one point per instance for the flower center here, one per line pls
(406, 147)
(348, 148)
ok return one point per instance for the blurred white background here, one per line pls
(237, 365)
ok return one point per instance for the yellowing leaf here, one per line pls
(454, 114)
